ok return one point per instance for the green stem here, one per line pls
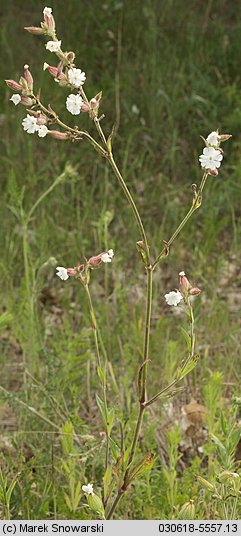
(192, 326)
(131, 203)
(191, 355)
(148, 310)
(147, 334)
(196, 204)
(75, 131)
(31, 347)
(26, 262)
(115, 504)
(42, 197)
(122, 184)
(142, 395)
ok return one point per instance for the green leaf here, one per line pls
(10, 490)
(142, 467)
(68, 502)
(101, 407)
(217, 442)
(187, 339)
(235, 438)
(107, 481)
(115, 449)
(188, 366)
(110, 420)
(67, 439)
(5, 319)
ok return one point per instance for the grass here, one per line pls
(181, 69)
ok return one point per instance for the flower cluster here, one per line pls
(65, 74)
(92, 263)
(31, 125)
(212, 155)
(185, 290)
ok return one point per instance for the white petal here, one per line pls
(16, 99)
(62, 273)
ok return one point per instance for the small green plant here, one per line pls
(6, 491)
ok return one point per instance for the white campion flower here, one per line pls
(211, 158)
(62, 273)
(173, 298)
(53, 46)
(76, 77)
(42, 131)
(47, 11)
(30, 124)
(74, 104)
(107, 257)
(213, 139)
(16, 99)
(88, 489)
(135, 110)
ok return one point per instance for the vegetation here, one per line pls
(168, 73)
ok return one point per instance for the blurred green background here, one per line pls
(170, 72)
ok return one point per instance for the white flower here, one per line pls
(213, 139)
(42, 131)
(62, 273)
(47, 11)
(76, 77)
(16, 99)
(74, 104)
(107, 257)
(181, 274)
(53, 46)
(135, 109)
(211, 158)
(30, 124)
(88, 489)
(174, 297)
(46, 65)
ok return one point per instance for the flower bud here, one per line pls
(225, 137)
(184, 283)
(213, 172)
(58, 135)
(26, 101)
(57, 73)
(24, 85)
(85, 107)
(98, 97)
(195, 291)
(52, 70)
(50, 22)
(95, 504)
(34, 30)
(71, 272)
(70, 56)
(206, 484)
(42, 120)
(13, 85)
(94, 103)
(95, 261)
(28, 77)
(187, 511)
